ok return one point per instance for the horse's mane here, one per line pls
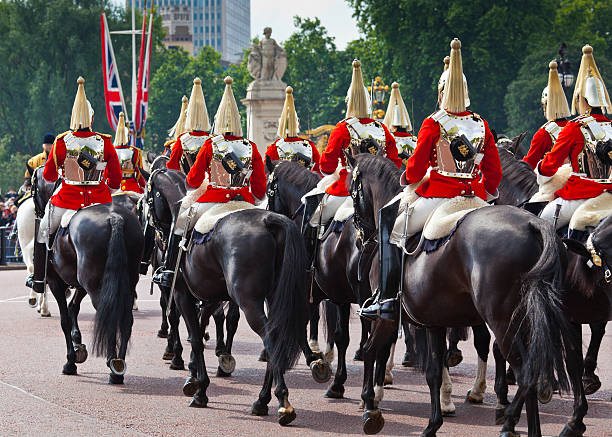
(518, 180)
(382, 169)
(297, 175)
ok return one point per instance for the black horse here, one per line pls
(469, 281)
(98, 254)
(586, 297)
(223, 269)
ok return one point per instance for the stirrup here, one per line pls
(380, 309)
(163, 277)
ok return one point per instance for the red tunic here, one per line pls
(339, 140)
(79, 196)
(177, 150)
(446, 186)
(137, 182)
(568, 146)
(273, 153)
(201, 167)
(540, 145)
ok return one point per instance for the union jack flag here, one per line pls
(142, 96)
(113, 93)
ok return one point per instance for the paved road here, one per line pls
(37, 400)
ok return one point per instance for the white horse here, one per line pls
(25, 232)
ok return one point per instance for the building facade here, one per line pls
(224, 25)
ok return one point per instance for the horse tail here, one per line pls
(287, 306)
(543, 327)
(114, 312)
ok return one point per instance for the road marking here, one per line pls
(84, 416)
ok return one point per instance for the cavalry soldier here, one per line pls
(130, 160)
(228, 168)
(290, 147)
(36, 161)
(585, 143)
(178, 129)
(455, 156)
(88, 164)
(556, 111)
(397, 121)
(197, 128)
(360, 134)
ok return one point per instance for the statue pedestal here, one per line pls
(264, 104)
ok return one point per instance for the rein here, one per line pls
(366, 231)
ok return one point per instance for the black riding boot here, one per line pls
(40, 260)
(163, 276)
(384, 303)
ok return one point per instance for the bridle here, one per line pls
(366, 230)
(597, 260)
(272, 193)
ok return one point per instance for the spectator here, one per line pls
(10, 194)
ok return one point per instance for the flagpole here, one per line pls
(133, 62)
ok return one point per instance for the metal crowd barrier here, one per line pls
(10, 252)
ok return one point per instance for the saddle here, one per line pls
(208, 221)
(591, 212)
(444, 218)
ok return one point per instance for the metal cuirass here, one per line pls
(594, 133)
(84, 163)
(125, 155)
(406, 145)
(553, 130)
(361, 132)
(452, 127)
(231, 164)
(298, 151)
(191, 146)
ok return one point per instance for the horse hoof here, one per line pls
(500, 416)
(473, 399)
(80, 351)
(69, 369)
(222, 374)
(509, 434)
(259, 409)
(321, 371)
(358, 355)
(263, 356)
(117, 366)
(334, 393)
(373, 422)
(510, 378)
(591, 384)
(227, 363)
(168, 356)
(47, 314)
(570, 432)
(198, 403)
(545, 394)
(408, 361)
(286, 416)
(388, 380)
(32, 302)
(454, 358)
(314, 346)
(177, 365)
(162, 333)
(115, 379)
(190, 386)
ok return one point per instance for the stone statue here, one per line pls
(267, 60)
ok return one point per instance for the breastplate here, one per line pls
(553, 130)
(191, 146)
(84, 163)
(125, 156)
(594, 132)
(362, 133)
(298, 151)
(451, 127)
(406, 145)
(231, 164)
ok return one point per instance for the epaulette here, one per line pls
(62, 135)
(104, 135)
(169, 142)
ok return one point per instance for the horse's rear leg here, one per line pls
(436, 345)
(513, 411)
(533, 417)
(286, 412)
(573, 360)
(313, 337)
(174, 339)
(163, 303)
(501, 385)
(482, 339)
(590, 380)
(227, 363)
(341, 336)
(410, 358)
(58, 288)
(218, 316)
(73, 309)
(197, 385)
(454, 355)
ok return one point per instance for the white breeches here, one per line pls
(568, 207)
(327, 209)
(197, 210)
(51, 221)
(418, 213)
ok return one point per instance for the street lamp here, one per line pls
(378, 91)
(564, 68)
